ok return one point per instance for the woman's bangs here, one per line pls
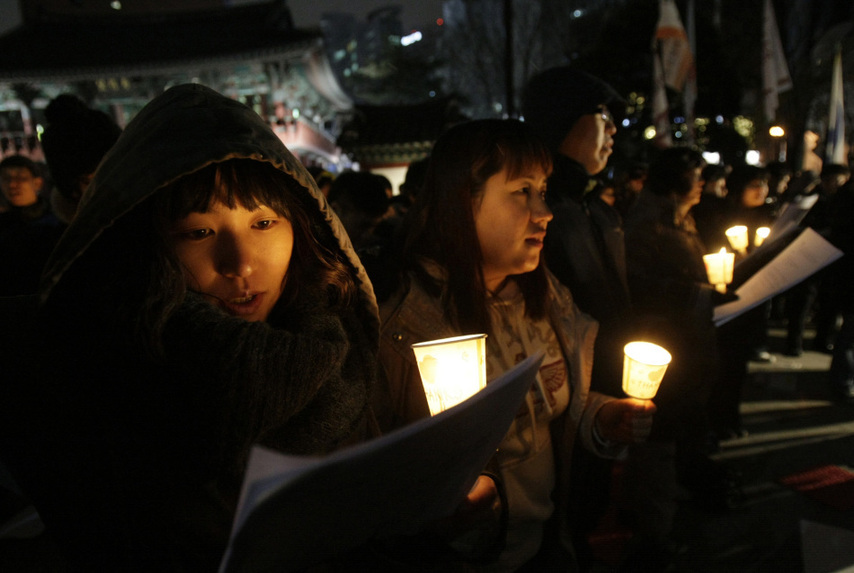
(526, 157)
(249, 185)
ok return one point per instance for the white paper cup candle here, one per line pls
(719, 268)
(761, 234)
(644, 365)
(452, 369)
(737, 237)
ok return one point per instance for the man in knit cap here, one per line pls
(572, 112)
(74, 142)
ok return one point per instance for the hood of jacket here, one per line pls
(179, 132)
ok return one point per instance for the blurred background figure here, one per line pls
(837, 285)
(833, 178)
(628, 184)
(323, 178)
(709, 212)
(674, 302)
(74, 142)
(607, 192)
(801, 300)
(779, 175)
(28, 229)
(411, 186)
(744, 338)
(359, 199)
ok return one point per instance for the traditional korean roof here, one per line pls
(69, 47)
(395, 135)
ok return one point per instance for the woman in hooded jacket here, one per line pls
(204, 299)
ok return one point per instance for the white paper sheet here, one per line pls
(806, 255)
(296, 511)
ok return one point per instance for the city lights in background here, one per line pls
(712, 157)
(410, 39)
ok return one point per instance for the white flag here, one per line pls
(673, 47)
(775, 71)
(660, 106)
(835, 149)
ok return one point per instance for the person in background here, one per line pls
(607, 192)
(203, 300)
(410, 187)
(28, 229)
(744, 338)
(323, 178)
(360, 200)
(709, 213)
(833, 178)
(573, 113)
(74, 142)
(837, 282)
(779, 175)
(628, 184)
(472, 261)
(801, 299)
(674, 302)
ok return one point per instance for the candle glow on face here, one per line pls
(644, 365)
(452, 369)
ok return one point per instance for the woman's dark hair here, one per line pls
(713, 172)
(672, 172)
(741, 176)
(441, 223)
(133, 245)
(316, 260)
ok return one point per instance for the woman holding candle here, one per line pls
(674, 301)
(203, 300)
(472, 264)
(746, 337)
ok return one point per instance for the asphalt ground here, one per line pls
(796, 431)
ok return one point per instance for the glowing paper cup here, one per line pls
(761, 234)
(737, 237)
(452, 369)
(719, 268)
(643, 368)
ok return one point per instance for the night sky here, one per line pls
(307, 13)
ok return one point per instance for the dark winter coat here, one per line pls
(584, 248)
(674, 305)
(134, 460)
(27, 236)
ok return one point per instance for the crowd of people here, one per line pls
(174, 293)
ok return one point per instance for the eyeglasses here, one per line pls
(15, 178)
(604, 114)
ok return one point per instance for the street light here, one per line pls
(778, 135)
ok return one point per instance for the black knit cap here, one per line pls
(555, 99)
(75, 140)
